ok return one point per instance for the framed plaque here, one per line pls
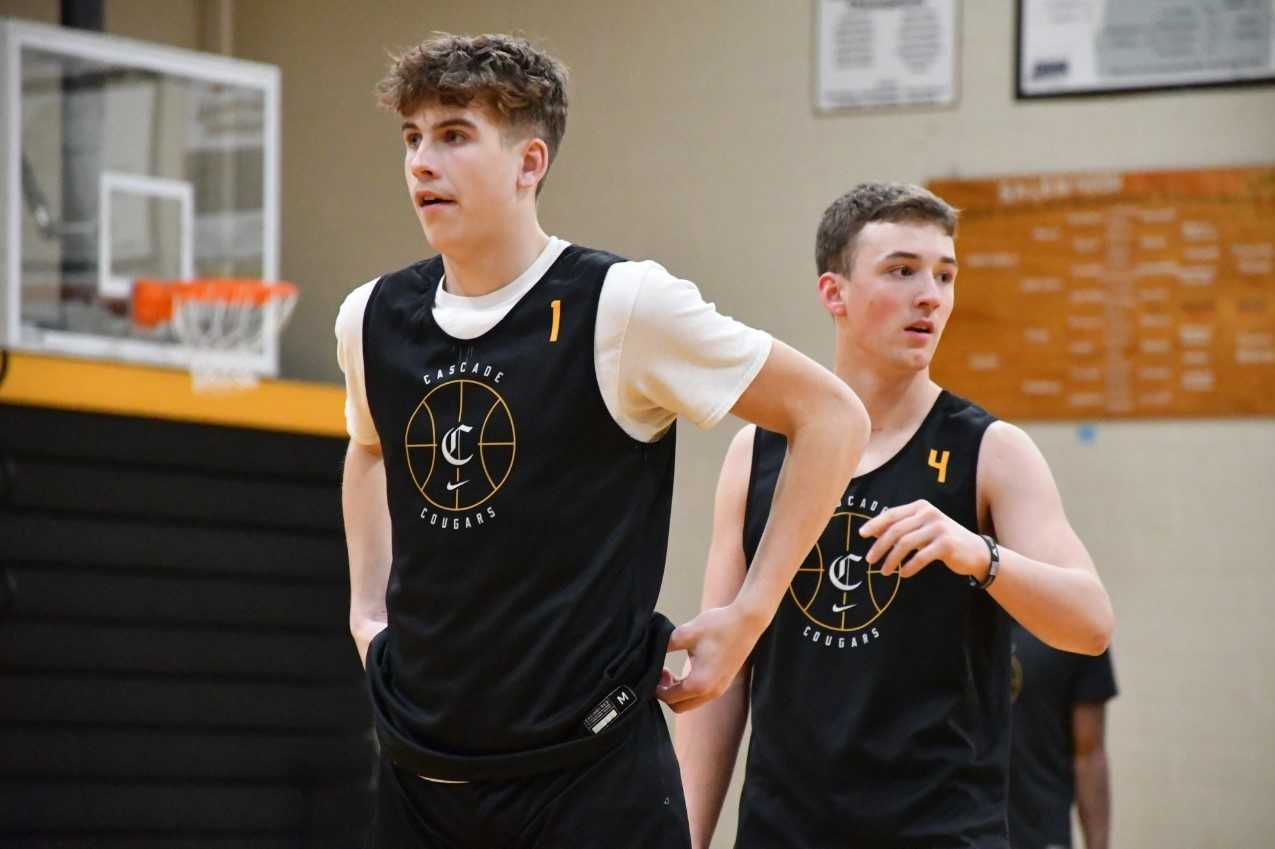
(1077, 47)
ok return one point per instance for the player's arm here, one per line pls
(662, 352)
(363, 498)
(1046, 579)
(1093, 785)
(367, 540)
(707, 740)
(826, 427)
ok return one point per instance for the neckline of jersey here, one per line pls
(432, 291)
(907, 446)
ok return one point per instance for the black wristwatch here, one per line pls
(992, 567)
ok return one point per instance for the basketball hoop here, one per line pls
(225, 325)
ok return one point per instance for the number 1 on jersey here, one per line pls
(556, 306)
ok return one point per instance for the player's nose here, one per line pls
(928, 294)
(423, 164)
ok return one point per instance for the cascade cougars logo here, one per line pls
(835, 587)
(460, 445)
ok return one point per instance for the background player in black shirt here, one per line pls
(880, 691)
(508, 484)
(1059, 752)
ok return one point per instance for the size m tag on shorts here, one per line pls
(609, 709)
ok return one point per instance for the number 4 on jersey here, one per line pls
(939, 462)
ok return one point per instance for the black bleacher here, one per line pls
(175, 665)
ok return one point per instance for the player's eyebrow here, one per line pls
(947, 260)
(464, 123)
(455, 122)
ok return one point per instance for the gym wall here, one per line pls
(692, 140)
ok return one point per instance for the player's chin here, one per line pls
(444, 239)
(916, 359)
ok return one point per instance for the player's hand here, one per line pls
(716, 642)
(925, 533)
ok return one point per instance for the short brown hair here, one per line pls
(526, 87)
(867, 202)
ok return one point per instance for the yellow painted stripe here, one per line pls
(93, 386)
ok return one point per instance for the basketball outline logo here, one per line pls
(463, 447)
(840, 574)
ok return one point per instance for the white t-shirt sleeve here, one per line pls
(349, 355)
(661, 352)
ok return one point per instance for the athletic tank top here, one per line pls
(880, 706)
(529, 531)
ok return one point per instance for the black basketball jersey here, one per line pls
(1046, 685)
(529, 530)
(880, 706)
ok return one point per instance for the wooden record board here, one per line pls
(1114, 295)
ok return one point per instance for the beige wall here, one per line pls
(41, 11)
(173, 22)
(692, 140)
(1177, 516)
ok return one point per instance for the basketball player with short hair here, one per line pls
(1058, 758)
(508, 484)
(880, 692)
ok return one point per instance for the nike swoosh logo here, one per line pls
(455, 486)
(841, 608)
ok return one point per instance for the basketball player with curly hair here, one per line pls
(508, 483)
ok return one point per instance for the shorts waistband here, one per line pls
(640, 671)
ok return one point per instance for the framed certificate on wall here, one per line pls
(885, 53)
(1077, 47)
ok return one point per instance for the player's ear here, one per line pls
(534, 163)
(830, 290)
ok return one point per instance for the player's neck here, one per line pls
(495, 263)
(895, 399)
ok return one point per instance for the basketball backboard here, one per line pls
(125, 160)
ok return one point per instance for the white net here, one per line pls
(226, 326)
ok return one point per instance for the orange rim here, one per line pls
(153, 300)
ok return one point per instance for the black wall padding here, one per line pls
(107, 490)
(175, 665)
(185, 839)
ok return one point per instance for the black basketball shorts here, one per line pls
(630, 798)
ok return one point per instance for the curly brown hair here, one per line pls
(867, 202)
(525, 87)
